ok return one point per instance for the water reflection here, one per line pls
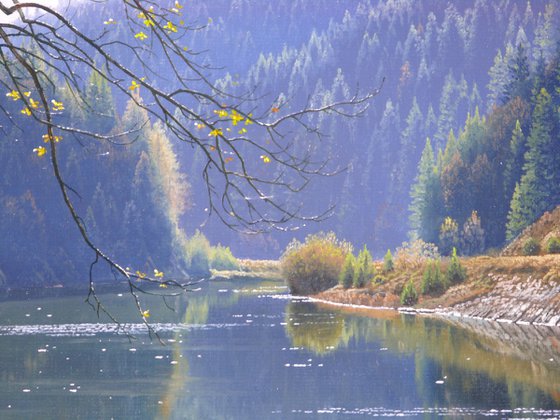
(519, 363)
(246, 352)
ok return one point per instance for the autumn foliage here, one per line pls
(315, 265)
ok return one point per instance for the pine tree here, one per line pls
(388, 264)
(364, 269)
(539, 187)
(348, 271)
(426, 199)
(456, 273)
(514, 164)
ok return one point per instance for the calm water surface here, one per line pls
(250, 351)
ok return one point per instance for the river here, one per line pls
(250, 351)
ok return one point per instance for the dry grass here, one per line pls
(251, 269)
(542, 230)
(483, 273)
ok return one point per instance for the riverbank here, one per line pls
(250, 270)
(511, 289)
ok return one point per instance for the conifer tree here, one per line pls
(388, 264)
(348, 271)
(364, 269)
(539, 187)
(426, 199)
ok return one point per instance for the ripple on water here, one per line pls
(90, 329)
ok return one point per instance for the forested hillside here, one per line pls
(479, 79)
(445, 67)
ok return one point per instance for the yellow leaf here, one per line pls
(163, 285)
(235, 117)
(146, 313)
(243, 130)
(265, 159)
(34, 104)
(57, 106)
(181, 22)
(158, 273)
(216, 132)
(133, 85)
(14, 94)
(110, 21)
(140, 274)
(141, 36)
(26, 111)
(170, 27)
(27, 94)
(199, 126)
(149, 22)
(178, 6)
(41, 151)
(222, 113)
(248, 120)
(228, 159)
(47, 138)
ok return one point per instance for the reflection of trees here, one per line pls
(483, 364)
(319, 331)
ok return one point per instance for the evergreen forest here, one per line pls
(460, 147)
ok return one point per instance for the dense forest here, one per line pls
(460, 75)
(460, 146)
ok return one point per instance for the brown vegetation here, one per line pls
(547, 227)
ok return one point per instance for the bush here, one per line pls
(553, 245)
(315, 265)
(414, 254)
(221, 258)
(432, 279)
(378, 279)
(456, 273)
(348, 271)
(364, 269)
(531, 247)
(409, 296)
(388, 264)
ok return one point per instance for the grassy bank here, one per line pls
(250, 269)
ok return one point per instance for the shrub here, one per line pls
(553, 245)
(315, 265)
(409, 296)
(378, 279)
(364, 269)
(388, 264)
(531, 247)
(348, 271)
(432, 279)
(456, 273)
(412, 255)
(221, 258)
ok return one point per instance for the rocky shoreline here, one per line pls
(520, 298)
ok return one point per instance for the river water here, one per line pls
(250, 351)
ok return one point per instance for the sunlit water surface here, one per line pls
(250, 351)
